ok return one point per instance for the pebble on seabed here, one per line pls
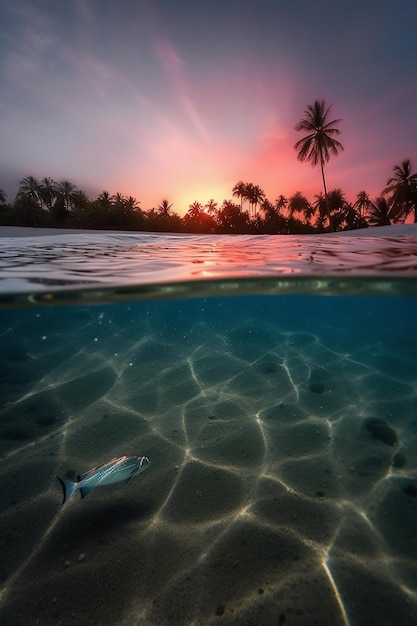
(379, 429)
(398, 460)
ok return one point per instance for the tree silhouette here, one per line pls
(83, 214)
(239, 191)
(319, 143)
(30, 187)
(164, 208)
(379, 213)
(211, 207)
(47, 203)
(132, 204)
(255, 195)
(362, 203)
(280, 203)
(231, 219)
(197, 220)
(194, 210)
(403, 187)
(66, 191)
(47, 192)
(298, 203)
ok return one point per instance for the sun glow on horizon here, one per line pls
(202, 194)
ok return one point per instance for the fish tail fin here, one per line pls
(68, 488)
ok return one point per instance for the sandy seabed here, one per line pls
(268, 501)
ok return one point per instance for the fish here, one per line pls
(117, 470)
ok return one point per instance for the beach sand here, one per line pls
(271, 498)
(268, 500)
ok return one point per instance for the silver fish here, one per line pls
(118, 470)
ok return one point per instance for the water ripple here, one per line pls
(53, 263)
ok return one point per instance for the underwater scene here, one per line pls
(280, 486)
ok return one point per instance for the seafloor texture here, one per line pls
(283, 438)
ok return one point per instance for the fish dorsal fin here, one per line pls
(95, 470)
(86, 474)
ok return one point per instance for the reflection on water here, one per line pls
(124, 259)
(283, 438)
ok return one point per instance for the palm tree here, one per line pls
(164, 208)
(30, 187)
(239, 190)
(3, 197)
(211, 207)
(319, 143)
(403, 187)
(48, 192)
(299, 203)
(67, 192)
(132, 204)
(194, 210)
(379, 213)
(83, 212)
(119, 198)
(280, 203)
(363, 203)
(352, 217)
(257, 196)
(104, 198)
(334, 209)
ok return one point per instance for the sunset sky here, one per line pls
(180, 99)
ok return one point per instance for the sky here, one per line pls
(181, 99)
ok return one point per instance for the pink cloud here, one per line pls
(174, 66)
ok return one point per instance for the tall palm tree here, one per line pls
(239, 191)
(319, 143)
(280, 203)
(254, 194)
(3, 197)
(403, 187)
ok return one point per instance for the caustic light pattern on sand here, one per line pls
(282, 434)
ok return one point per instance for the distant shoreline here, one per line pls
(396, 230)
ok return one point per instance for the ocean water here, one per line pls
(272, 383)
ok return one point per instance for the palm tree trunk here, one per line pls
(326, 199)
